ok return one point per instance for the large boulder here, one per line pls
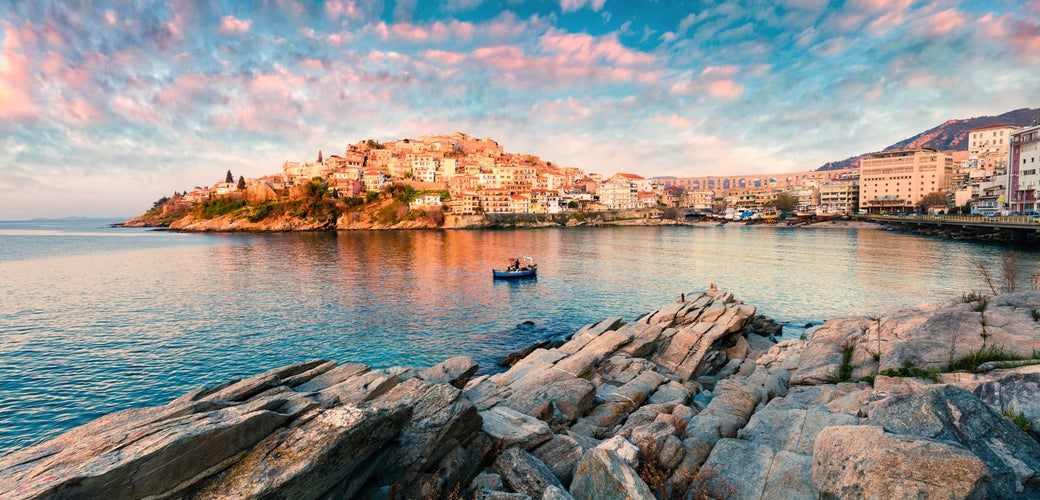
(558, 402)
(331, 454)
(955, 416)
(165, 449)
(524, 473)
(742, 469)
(455, 371)
(601, 475)
(867, 462)
(442, 419)
(560, 453)
(1016, 393)
(510, 428)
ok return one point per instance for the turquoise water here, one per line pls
(96, 319)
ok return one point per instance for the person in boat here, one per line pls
(514, 265)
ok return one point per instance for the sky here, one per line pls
(107, 106)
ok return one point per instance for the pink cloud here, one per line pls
(1021, 35)
(338, 8)
(507, 27)
(78, 109)
(573, 5)
(443, 57)
(881, 5)
(424, 33)
(715, 81)
(187, 91)
(945, 22)
(131, 109)
(674, 121)
(76, 78)
(586, 49)
(52, 64)
(720, 71)
(313, 64)
(725, 89)
(231, 24)
(270, 87)
(502, 57)
(16, 83)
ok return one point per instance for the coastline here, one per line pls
(226, 224)
(690, 397)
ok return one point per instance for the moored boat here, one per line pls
(516, 269)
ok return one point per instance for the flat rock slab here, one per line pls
(866, 462)
(511, 428)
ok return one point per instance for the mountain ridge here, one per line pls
(949, 135)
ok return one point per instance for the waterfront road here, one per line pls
(1023, 229)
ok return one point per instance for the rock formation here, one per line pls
(682, 402)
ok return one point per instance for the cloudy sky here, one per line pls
(108, 106)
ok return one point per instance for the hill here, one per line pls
(950, 135)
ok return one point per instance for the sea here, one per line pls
(96, 319)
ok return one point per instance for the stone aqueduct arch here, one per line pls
(756, 181)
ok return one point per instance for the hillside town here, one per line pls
(463, 175)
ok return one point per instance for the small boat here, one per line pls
(526, 269)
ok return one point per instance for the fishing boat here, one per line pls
(525, 268)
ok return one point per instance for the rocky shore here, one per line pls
(688, 401)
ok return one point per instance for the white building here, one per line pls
(425, 202)
(1023, 168)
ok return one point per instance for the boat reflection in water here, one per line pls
(517, 268)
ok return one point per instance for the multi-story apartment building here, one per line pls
(646, 199)
(699, 200)
(896, 181)
(808, 198)
(520, 203)
(840, 197)
(375, 179)
(464, 203)
(495, 201)
(618, 195)
(424, 168)
(448, 168)
(988, 146)
(1023, 179)
(301, 172)
(544, 201)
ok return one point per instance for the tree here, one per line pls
(785, 202)
(229, 178)
(933, 199)
(319, 156)
(241, 182)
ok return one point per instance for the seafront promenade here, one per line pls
(694, 399)
(972, 227)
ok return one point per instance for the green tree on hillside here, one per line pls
(229, 178)
(785, 202)
(241, 182)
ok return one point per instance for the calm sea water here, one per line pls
(96, 319)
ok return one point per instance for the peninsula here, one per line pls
(453, 181)
(693, 400)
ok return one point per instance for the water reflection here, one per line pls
(90, 329)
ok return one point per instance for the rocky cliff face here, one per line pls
(684, 402)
